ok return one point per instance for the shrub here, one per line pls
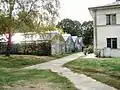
(36, 49)
(97, 53)
(85, 49)
(38, 53)
(90, 49)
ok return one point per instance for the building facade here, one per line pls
(107, 28)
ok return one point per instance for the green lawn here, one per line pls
(18, 77)
(19, 61)
(11, 74)
(104, 70)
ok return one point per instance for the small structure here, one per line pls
(3, 44)
(53, 41)
(81, 43)
(54, 38)
(78, 43)
(57, 45)
(69, 43)
(107, 28)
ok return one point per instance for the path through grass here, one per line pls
(11, 74)
(104, 70)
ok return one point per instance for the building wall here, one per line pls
(115, 52)
(107, 52)
(57, 46)
(101, 15)
(108, 31)
(69, 45)
(78, 45)
(105, 32)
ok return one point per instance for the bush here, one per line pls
(90, 49)
(97, 53)
(38, 53)
(38, 49)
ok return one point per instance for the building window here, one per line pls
(112, 43)
(110, 19)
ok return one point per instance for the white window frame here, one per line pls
(112, 43)
(111, 19)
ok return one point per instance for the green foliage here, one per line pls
(97, 53)
(85, 49)
(2, 48)
(71, 27)
(39, 49)
(88, 32)
(14, 48)
(45, 49)
(26, 16)
(90, 49)
(75, 28)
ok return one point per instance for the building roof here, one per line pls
(113, 4)
(19, 37)
(74, 38)
(66, 36)
(81, 41)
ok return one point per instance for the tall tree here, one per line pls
(70, 26)
(78, 28)
(88, 32)
(21, 15)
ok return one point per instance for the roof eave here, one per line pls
(93, 9)
(104, 7)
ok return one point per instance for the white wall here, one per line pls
(115, 52)
(110, 52)
(108, 31)
(105, 32)
(101, 15)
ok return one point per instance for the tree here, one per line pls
(24, 15)
(88, 32)
(70, 26)
(78, 28)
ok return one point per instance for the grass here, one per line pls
(11, 78)
(19, 61)
(62, 55)
(104, 70)
(11, 74)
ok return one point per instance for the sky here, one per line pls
(78, 9)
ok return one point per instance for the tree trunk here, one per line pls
(8, 44)
(11, 3)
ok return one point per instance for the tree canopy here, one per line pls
(26, 15)
(21, 13)
(70, 26)
(88, 32)
(75, 28)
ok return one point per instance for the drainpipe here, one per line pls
(95, 31)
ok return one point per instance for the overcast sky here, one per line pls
(78, 9)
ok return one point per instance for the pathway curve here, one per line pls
(81, 81)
